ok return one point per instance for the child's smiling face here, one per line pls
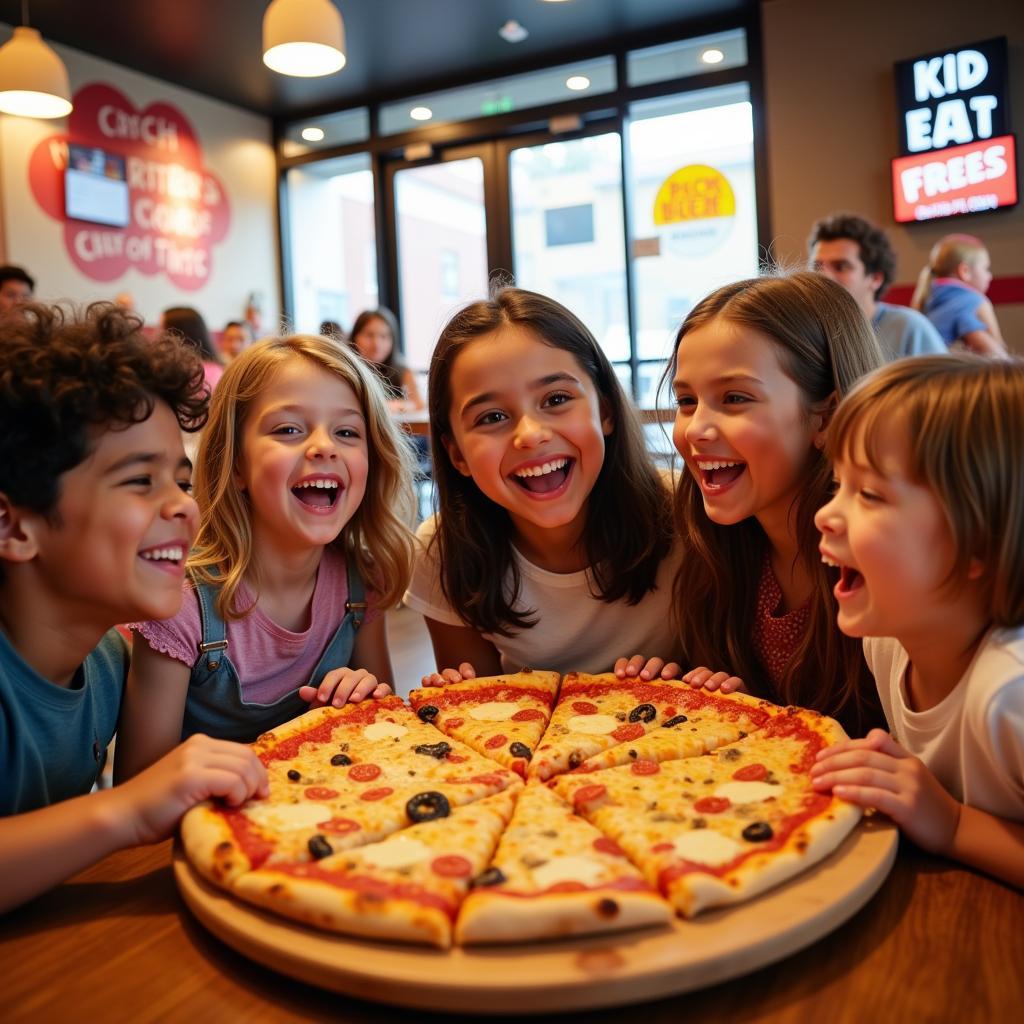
(117, 541)
(742, 424)
(527, 425)
(891, 540)
(304, 460)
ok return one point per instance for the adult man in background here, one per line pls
(15, 287)
(859, 256)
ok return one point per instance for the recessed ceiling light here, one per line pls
(577, 83)
(512, 31)
(313, 134)
(713, 56)
(421, 113)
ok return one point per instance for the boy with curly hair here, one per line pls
(96, 520)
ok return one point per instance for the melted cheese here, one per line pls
(384, 731)
(569, 869)
(397, 852)
(705, 846)
(747, 792)
(287, 816)
(494, 711)
(593, 725)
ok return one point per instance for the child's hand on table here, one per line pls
(710, 680)
(450, 675)
(341, 685)
(641, 667)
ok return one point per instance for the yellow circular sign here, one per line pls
(694, 192)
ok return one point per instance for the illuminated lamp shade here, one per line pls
(33, 79)
(304, 38)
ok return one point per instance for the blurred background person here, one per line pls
(332, 329)
(16, 286)
(951, 293)
(189, 323)
(235, 337)
(375, 337)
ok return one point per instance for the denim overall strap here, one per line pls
(213, 644)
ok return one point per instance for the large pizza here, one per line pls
(525, 807)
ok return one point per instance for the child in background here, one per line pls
(302, 480)
(235, 337)
(95, 522)
(927, 528)
(552, 545)
(375, 337)
(951, 293)
(759, 367)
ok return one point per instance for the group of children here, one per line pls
(815, 486)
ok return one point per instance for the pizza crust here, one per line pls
(211, 845)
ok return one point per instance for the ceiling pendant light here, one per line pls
(33, 79)
(304, 38)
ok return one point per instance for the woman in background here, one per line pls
(189, 323)
(375, 337)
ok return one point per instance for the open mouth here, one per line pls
(718, 473)
(545, 478)
(850, 579)
(171, 556)
(320, 494)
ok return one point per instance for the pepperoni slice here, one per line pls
(496, 741)
(455, 758)
(630, 731)
(339, 826)
(451, 866)
(320, 793)
(488, 779)
(567, 886)
(662, 847)
(376, 794)
(587, 794)
(528, 715)
(584, 707)
(750, 773)
(454, 723)
(712, 805)
(669, 712)
(645, 767)
(605, 845)
(364, 772)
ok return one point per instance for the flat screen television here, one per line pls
(96, 187)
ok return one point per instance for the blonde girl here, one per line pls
(757, 370)
(951, 293)
(302, 482)
(927, 530)
(552, 546)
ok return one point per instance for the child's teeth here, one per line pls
(548, 467)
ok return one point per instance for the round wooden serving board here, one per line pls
(570, 974)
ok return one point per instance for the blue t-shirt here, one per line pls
(53, 739)
(903, 332)
(953, 309)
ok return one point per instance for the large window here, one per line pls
(331, 240)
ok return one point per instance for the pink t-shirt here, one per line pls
(270, 660)
(776, 637)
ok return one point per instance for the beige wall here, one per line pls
(832, 126)
(236, 146)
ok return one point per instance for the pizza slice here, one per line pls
(501, 717)
(694, 722)
(555, 875)
(407, 888)
(597, 713)
(720, 828)
(340, 778)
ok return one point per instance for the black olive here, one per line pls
(678, 720)
(428, 806)
(340, 759)
(520, 750)
(643, 713)
(759, 832)
(319, 848)
(428, 713)
(492, 876)
(575, 759)
(437, 750)
(294, 775)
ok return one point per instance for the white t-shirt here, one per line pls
(973, 740)
(575, 631)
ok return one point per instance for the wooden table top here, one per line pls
(116, 943)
